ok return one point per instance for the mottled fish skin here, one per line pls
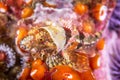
(90, 41)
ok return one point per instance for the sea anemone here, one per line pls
(9, 55)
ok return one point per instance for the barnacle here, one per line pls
(43, 41)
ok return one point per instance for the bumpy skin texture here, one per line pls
(114, 43)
